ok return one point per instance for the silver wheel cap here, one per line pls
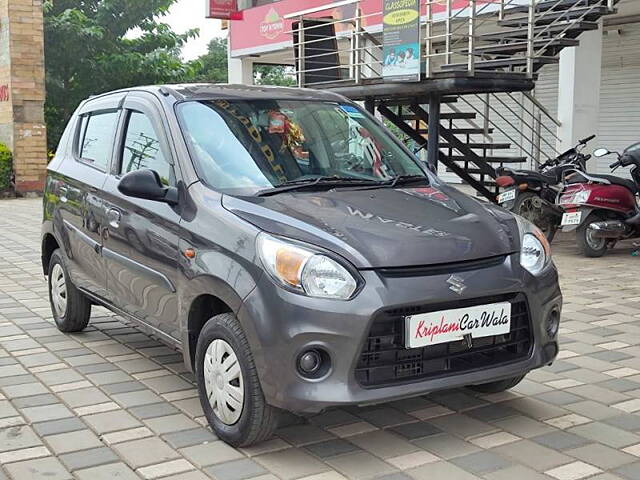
(59, 290)
(223, 381)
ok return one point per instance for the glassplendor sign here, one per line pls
(401, 40)
(446, 326)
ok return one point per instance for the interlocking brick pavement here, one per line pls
(112, 402)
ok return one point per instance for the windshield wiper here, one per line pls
(327, 181)
(404, 179)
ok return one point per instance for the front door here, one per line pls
(141, 236)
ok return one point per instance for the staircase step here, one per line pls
(549, 31)
(554, 5)
(590, 14)
(445, 116)
(481, 146)
(522, 46)
(491, 159)
(419, 100)
(502, 63)
(462, 131)
(470, 131)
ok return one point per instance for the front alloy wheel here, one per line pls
(223, 382)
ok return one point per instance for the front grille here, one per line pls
(385, 361)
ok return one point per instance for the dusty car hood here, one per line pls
(385, 227)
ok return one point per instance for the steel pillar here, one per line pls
(433, 132)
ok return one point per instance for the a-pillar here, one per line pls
(579, 89)
(22, 91)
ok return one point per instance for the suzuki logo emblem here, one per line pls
(456, 284)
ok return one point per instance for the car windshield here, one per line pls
(245, 146)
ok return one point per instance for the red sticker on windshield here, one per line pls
(277, 121)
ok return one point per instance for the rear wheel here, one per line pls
(531, 206)
(497, 387)
(589, 245)
(71, 309)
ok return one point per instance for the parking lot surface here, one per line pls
(113, 403)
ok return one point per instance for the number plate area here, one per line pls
(571, 218)
(507, 196)
(454, 325)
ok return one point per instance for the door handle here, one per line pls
(113, 217)
(62, 193)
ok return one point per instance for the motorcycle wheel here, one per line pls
(587, 244)
(525, 206)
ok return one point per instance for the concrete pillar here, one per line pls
(22, 125)
(241, 70)
(579, 89)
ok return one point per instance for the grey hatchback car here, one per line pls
(295, 252)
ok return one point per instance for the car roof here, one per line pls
(211, 91)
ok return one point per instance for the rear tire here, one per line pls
(254, 420)
(497, 387)
(71, 309)
(524, 206)
(587, 245)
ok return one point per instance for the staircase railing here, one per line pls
(528, 130)
(452, 32)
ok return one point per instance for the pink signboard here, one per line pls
(264, 28)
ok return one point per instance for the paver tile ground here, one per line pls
(112, 402)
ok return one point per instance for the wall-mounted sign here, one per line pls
(4, 93)
(223, 9)
(401, 40)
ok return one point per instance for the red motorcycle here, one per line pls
(602, 209)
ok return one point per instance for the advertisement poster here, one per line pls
(401, 40)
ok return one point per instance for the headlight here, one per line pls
(304, 271)
(535, 251)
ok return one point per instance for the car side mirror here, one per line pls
(146, 184)
(601, 152)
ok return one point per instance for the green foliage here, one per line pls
(6, 167)
(89, 49)
(274, 75)
(212, 67)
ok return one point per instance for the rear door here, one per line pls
(141, 245)
(78, 185)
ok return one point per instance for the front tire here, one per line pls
(228, 384)
(497, 387)
(587, 244)
(71, 309)
(529, 205)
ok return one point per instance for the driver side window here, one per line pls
(142, 149)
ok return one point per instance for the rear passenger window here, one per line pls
(97, 134)
(142, 149)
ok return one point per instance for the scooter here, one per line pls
(603, 209)
(533, 193)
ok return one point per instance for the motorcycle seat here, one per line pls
(612, 179)
(532, 175)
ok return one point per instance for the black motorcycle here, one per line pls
(532, 194)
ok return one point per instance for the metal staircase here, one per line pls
(473, 107)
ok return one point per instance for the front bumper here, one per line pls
(280, 325)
